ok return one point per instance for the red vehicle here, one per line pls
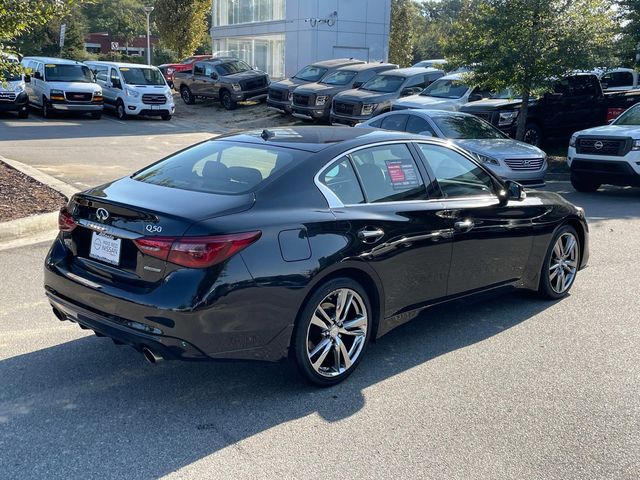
(168, 69)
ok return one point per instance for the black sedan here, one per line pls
(301, 242)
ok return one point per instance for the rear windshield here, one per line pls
(461, 126)
(142, 76)
(220, 167)
(68, 73)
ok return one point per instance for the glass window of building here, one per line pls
(234, 12)
(265, 52)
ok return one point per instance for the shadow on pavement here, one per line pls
(87, 407)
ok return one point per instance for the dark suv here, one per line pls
(375, 96)
(228, 79)
(281, 93)
(312, 101)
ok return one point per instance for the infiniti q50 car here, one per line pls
(303, 243)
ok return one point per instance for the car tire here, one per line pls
(584, 184)
(561, 264)
(46, 108)
(96, 115)
(187, 96)
(327, 350)
(121, 113)
(166, 116)
(532, 135)
(227, 102)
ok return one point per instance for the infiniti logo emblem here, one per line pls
(598, 145)
(102, 214)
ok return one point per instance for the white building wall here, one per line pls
(361, 30)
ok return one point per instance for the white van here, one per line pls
(60, 85)
(133, 89)
(13, 97)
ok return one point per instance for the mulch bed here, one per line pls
(22, 196)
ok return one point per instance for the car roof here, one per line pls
(337, 62)
(360, 67)
(60, 61)
(219, 60)
(118, 64)
(315, 138)
(426, 112)
(410, 71)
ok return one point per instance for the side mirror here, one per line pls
(408, 91)
(27, 78)
(357, 84)
(37, 76)
(426, 133)
(604, 86)
(214, 76)
(513, 191)
(474, 97)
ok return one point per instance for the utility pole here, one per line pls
(147, 11)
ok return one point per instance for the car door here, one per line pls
(382, 201)
(200, 81)
(492, 240)
(38, 82)
(115, 87)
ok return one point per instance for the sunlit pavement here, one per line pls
(513, 388)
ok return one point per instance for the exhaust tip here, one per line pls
(151, 356)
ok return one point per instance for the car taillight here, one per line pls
(66, 223)
(196, 252)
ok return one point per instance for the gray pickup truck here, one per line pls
(375, 96)
(228, 79)
(312, 101)
(281, 93)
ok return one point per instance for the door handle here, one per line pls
(464, 225)
(370, 234)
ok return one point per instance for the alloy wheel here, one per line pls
(337, 332)
(531, 137)
(563, 264)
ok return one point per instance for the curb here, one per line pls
(21, 229)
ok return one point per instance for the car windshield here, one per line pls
(311, 73)
(506, 94)
(446, 89)
(10, 76)
(384, 83)
(67, 73)
(142, 76)
(221, 167)
(341, 77)
(630, 117)
(234, 66)
(462, 126)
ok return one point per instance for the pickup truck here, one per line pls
(575, 103)
(619, 79)
(227, 79)
(607, 155)
(170, 69)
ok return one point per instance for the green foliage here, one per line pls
(523, 44)
(182, 24)
(434, 25)
(122, 19)
(629, 38)
(403, 33)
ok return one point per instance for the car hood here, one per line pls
(433, 103)
(75, 86)
(613, 130)
(288, 84)
(359, 95)
(249, 74)
(150, 88)
(320, 89)
(10, 86)
(501, 148)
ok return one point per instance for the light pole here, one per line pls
(147, 11)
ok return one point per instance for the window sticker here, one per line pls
(402, 174)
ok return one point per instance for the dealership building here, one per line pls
(282, 36)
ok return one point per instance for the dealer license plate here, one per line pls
(105, 248)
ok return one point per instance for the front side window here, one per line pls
(457, 176)
(102, 74)
(311, 73)
(384, 84)
(220, 167)
(340, 77)
(463, 126)
(198, 69)
(446, 89)
(142, 76)
(415, 124)
(388, 173)
(341, 179)
(115, 79)
(68, 73)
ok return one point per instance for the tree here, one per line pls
(402, 36)
(523, 44)
(45, 39)
(21, 16)
(182, 24)
(434, 25)
(123, 20)
(629, 40)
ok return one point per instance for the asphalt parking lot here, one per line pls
(510, 388)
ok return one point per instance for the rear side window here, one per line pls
(388, 173)
(416, 124)
(396, 122)
(341, 179)
(220, 167)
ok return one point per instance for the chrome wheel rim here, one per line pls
(531, 137)
(563, 264)
(337, 332)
